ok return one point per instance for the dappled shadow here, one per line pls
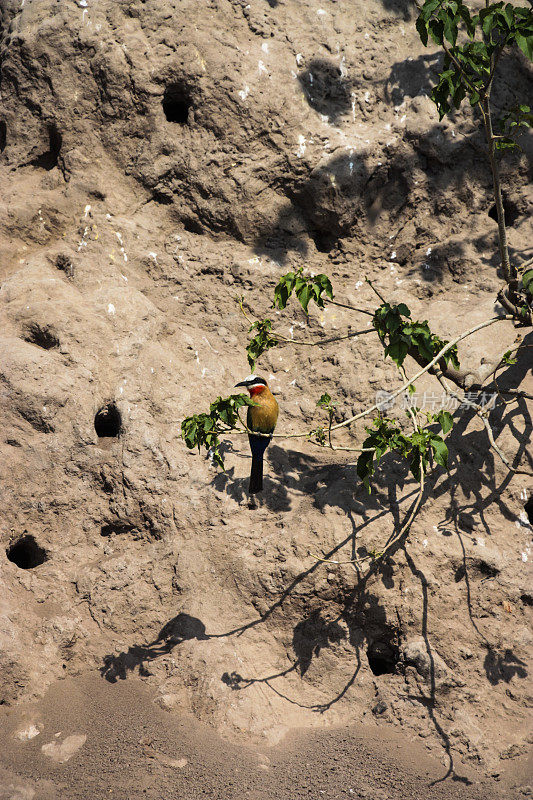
(332, 199)
(402, 8)
(311, 635)
(428, 698)
(177, 630)
(325, 87)
(361, 621)
(472, 476)
(412, 77)
(328, 200)
(472, 462)
(503, 666)
(291, 473)
(325, 205)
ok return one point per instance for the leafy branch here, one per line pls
(329, 406)
(400, 335)
(204, 430)
(419, 448)
(266, 337)
(262, 341)
(305, 287)
(469, 70)
(473, 44)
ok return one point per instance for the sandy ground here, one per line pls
(98, 740)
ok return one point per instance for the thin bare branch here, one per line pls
(419, 374)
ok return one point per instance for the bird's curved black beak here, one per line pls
(242, 383)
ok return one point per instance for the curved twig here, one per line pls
(431, 364)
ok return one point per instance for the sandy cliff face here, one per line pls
(160, 159)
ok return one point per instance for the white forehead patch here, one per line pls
(251, 378)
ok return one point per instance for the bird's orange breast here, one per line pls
(263, 416)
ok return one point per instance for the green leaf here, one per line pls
(365, 468)
(403, 310)
(284, 289)
(263, 340)
(440, 451)
(525, 43)
(505, 143)
(459, 95)
(507, 359)
(397, 350)
(467, 19)
(445, 420)
(508, 15)
(305, 288)
(304, 295)
(422, 28)
(487, 20)
(429, 7)
(527, 281)
(324, 284)
(436, 30)
(414, 466)
(450, 29)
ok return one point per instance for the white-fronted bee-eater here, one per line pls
(262, 418)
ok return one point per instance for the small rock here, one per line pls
(416, 653)
(27, 733)
(380, 708)
(168, 701)
(61, 753)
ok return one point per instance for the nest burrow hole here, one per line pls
(382, 657)
(49, 159)
(108, 422)
(528, 508)
(26, 553)
(510, 211)
(177, 103)
(41, 336)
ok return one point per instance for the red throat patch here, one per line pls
(255, 390)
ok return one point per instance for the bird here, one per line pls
(262, 418)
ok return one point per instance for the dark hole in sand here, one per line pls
(116, 528)
(324, 242)
(382, 657)
(48, 160)
(3, 135)
(177, 103)
(41, 336)
(193, 226)
(510, 212)
(528, 508)
(108, 422)
(26, 553)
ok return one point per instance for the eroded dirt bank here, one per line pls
(159, 160)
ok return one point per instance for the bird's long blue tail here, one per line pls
(258, 445)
